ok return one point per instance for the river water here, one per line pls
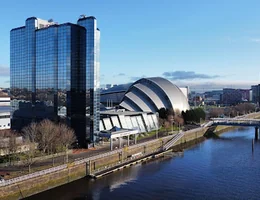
(224, 168)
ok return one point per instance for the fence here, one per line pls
(32, 175)
(78, 162)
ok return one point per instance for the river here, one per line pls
(223, 168)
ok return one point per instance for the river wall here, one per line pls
(73, 172)
(76, 171)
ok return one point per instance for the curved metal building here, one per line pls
(151, 94)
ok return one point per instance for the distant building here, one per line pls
(185, 91)
(245, 93)
(234, 96)
(4, 101)
(256, 93)
(4, 112)
(231, 96)
(213, 97)
(5, 120)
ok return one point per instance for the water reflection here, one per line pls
(215, 169)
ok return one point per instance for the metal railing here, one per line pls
(76, 162)
(236, 121)
(173, 141)
(32, 175)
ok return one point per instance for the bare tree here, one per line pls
(216, 112)
(12, 145)
(5, 133)
(30, 132)
(27, 156)
(179, 120)
(161, 122)
(45, 135)
(248, 107)
(66, 137)
(8, 143)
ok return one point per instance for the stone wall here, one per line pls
(42, 183)
(74, 172)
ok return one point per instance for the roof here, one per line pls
(85, 18)
(151, 94)
(117, 132)
(121, 112)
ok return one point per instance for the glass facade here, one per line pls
(46, 73)
(256, 94)
(22, 68)
(92, 76)
(49, 76)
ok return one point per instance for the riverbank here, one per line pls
(88, 166)
(97, 165)
(226, 167)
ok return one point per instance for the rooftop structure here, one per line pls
(151, 94)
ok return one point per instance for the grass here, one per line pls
(172, 128)
(149, 134)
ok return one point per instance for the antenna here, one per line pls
(82, 16)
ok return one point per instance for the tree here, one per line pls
(46, 133)
(50, 138)
(162, 113)
(244, 108)
(179, 120)
(216, 112)
(27, 157)
(170, 115)
(12, 146)
(8, 142)
(194, 115)
(66, 138)
(30, 132)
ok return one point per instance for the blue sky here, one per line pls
(198, 43)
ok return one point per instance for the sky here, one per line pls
(202, 44)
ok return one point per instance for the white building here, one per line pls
(4, 101)
(5, 120)
(142, 121)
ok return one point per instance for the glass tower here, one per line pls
(92, 73)
(50, 77)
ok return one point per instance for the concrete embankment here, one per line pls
(190, 138)
(98, 165)
(36, 185)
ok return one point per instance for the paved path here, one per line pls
(78, 154)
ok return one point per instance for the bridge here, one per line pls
(238, 121)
